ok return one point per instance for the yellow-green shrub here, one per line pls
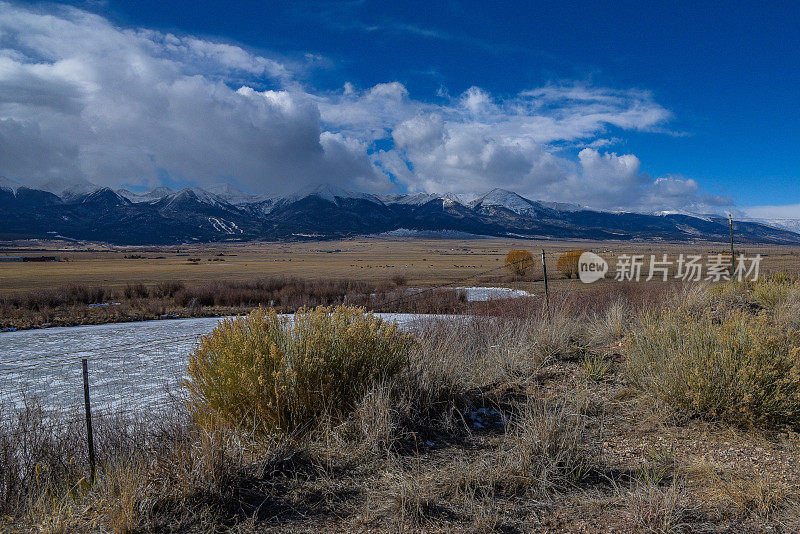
(767, 293)
(267, 373)
(775, 290)
(743, 370)
(783, 277)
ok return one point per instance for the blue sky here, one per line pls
(673, 105)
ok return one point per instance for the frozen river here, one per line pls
(132, 366)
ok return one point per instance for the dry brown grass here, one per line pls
(742, 495)
(423, 262)
(544, 450)
(493, 425)
(657, 509)
(76, 304)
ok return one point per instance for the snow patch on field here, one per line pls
(226, 227)
(430, 234)
(482, 294)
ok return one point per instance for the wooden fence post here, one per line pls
(88, 406)
(733, 261)
(546, 289)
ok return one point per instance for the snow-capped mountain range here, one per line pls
(83, 211)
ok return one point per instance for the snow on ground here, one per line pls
(133, 366)
(221, 225)
(482, 294)
(430, 234)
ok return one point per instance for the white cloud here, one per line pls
(788, 211)
(616, 182)
(83, 99)
(615, 179)
(477, 101)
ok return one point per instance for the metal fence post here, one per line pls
(88, 406)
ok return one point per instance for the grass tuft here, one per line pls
(596, 366)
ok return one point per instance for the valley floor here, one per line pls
(96, 284)
(421, 262)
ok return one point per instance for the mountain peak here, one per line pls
(234, 195)
(419, 199)
(105, 196)
(498, 194)
(506, 199)
(195, 195)
(500, 190)
(331, 193)
(9, 184)
(149, 196)
(163, 191)
(521, 205)
(68, 188)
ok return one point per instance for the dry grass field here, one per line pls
(630, 408)
(624, 407)
(423, 262)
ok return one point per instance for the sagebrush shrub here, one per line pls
(742, 369)
(266, 373)
(773, 291)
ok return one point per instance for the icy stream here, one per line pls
(132, 366)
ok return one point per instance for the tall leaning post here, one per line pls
(546, 289)
(733, 260)
(88, 406)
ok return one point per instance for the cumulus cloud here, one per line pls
(83, 99)
(616, 182)
(474, 142)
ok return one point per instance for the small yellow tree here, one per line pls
(519, 262)
(568, 262)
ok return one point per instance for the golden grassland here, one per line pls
(423, 262)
